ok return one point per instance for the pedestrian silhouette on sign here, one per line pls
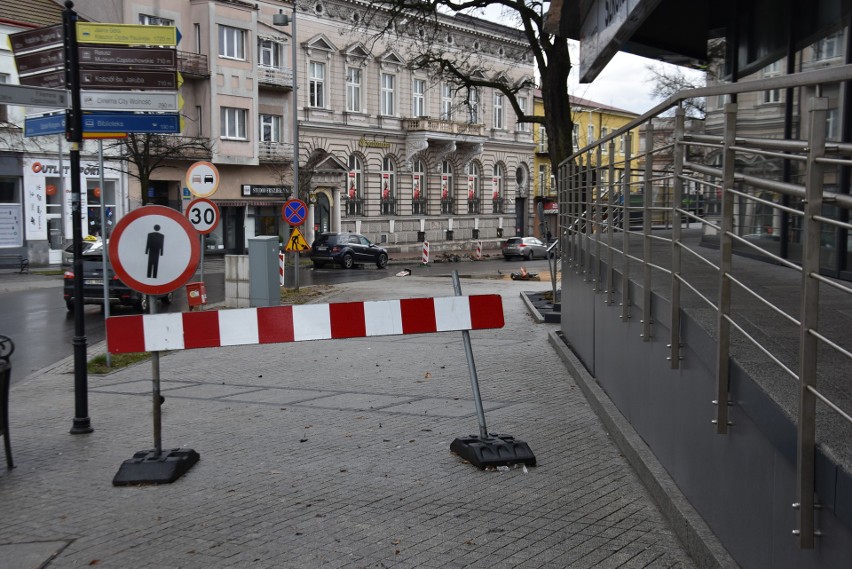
(294, 243)
(154, 250)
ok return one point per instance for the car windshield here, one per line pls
(514, 241)
(331, 238)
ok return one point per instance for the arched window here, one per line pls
(473, 187)
(418, 187)
(388, 187)
(446, 187)
(498, 188)
(355, 186)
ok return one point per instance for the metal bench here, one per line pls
(16, 259)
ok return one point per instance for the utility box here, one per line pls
(196, 294)
(264, 289)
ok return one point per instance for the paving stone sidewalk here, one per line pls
(331, 454)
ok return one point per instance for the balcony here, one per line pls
(354, 207)
(418, 206)
(193, 65)
(427, 124)
(275, 151)
(275, 77)
(497, 205)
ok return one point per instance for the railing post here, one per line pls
(674, 354)
(610, 226)
(625, 228)
(809, 316)
(591, 186)
(647, 202)
(723, 349)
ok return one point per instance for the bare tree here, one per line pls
(668, 81)
(421, 19)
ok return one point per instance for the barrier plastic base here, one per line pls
(148, 467)
(497, 450)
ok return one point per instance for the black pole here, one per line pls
(74, 135)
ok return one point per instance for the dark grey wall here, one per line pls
(742, 483)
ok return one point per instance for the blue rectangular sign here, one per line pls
(42, 126)
(165, 123)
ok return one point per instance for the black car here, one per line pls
(347, 250)
(93, 285)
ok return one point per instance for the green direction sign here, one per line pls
(127, 34)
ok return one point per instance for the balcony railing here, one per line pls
(418, 206)
(497, 205)
(354, 206)
(275, 152)
(473, 205)
(427, 124)
(388, 206)
(447, 205)
(275, 77)
(193, 64)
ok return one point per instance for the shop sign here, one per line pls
(267, 191)
(367, 143)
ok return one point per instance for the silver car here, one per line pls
(525, 247)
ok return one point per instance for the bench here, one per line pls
(16, 259)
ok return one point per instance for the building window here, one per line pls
(353, 89)
(268, 53)
(590, 134)
(622, 143)
(828, 47)
(147, 20)
(197, 32)
(354, 189)
(233, 123)
(575, 136)
(199, 120)
(498, 188)
(498, 111)
(523, 126)
(542, 139)
(388, 191)
(418, 98)
(418, 188)
(446, 102)
(387, 95)
(772, 96)
(473, 188)
(4, 109)
(446, 187)
(604, 132)
(832, 124)
(772, 70)
(270, 128)
(316, 84)
(473, 105)
(232, 43)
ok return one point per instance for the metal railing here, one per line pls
(643, 222)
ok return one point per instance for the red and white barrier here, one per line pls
(424, 259)
(479, 249)
(278, 324)
(281, 268)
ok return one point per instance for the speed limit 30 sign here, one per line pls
(203, 215)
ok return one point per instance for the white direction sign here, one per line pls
(129, 100)
(202, 179)
(203, 215)
(154, 249)
(33, 96)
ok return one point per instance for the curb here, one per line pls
(696, 536)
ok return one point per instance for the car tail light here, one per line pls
(522, 244)
(335, 249)
(68, 275)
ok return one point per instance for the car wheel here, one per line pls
(142, 305)
(69, 304)
(528, 256)
(348, 261)
(382, 261)
(166, 299)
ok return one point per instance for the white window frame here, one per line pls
(232, 43)
(269, 54)
(473, 102)
(149, 20)
(575, 137)
(542, 138)
(389, 169)
(474, 171)
(316, 84)
(604, 132)
(446, 102)
(233, 123)
(771, 96)
(500, 178)
(542, 179)
(828, 47)
(356, 166)
(418, 97)
(523, 126)
(354, 77)
(499, 113)
(271, 122)
(387, 104)
(590, 134)
(832, 124)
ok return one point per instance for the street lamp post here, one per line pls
(281, 19)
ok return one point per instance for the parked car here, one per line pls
(526, 247)
(93, 285)
(68, 252)
(347, 250)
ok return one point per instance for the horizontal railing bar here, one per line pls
(701, 144)
(700, 181)
(835, 161)
(699, 256)
(760, 346)
(825, 400)
(765, 302)
(704, 139)
(832, 283)
(763, 251)
(770, 153)
(793, 145)
(659, 268)
(697, 292)
(828, 342)
(793, 190)
(701, 169)
(834, 222)
(772, 204)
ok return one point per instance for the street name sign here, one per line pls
(127, 79)
(130, 101)
(33, 96)
(50, 79)
(165, 123)
(40, 60)
(44, 125)
(127, 34)
(36, 39)
(128, 56)
(154, 249)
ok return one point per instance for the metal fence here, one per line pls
(635, 212)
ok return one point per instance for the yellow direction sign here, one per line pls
(296, 242)
(126, 34)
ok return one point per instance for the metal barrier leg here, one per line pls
(5, 380)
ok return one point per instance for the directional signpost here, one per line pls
(33, 96)
(154, 250)
(294, 213)
(165, 123)
(44, 125)
(127, 79)
(150, 57)
(122, 100)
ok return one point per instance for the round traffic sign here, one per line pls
(203, 215)
(154, 249)
(202, 179)
(294, 212)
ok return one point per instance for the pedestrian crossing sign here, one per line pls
(296, 242)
